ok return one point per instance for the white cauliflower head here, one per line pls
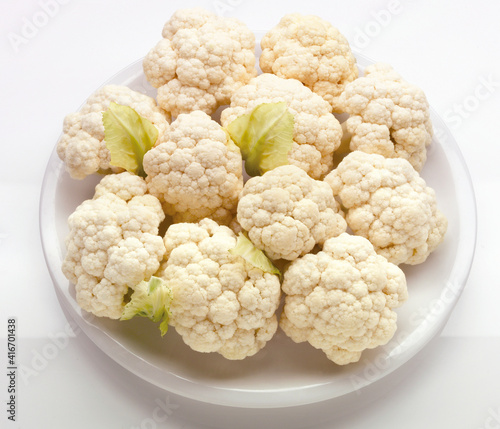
(220, 302)
(311, 50)
(195, 170)
(388, 116)
(201, 60)
(286, 212)
(82, 146)
(113, 243)
(341, 299)
(389, 203)
(317, 133)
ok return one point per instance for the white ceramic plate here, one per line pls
(283, 373)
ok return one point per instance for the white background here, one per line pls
(54, 57)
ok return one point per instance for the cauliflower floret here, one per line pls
(220, 302)
(388, 116)
(389, 204)
(113, 243)
(311, 50)
(82, 146)
(286, 212)
(317, 133)
(340, 300)
(195, 170)
(201, 60)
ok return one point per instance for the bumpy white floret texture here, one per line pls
(388, 116)
(310, 49)
(82, 146)
(201, 60)
(341, 299)
(220, 302)
(195, 170)
(113, 243)
(286, 212)
(390, 204)
(317, 133)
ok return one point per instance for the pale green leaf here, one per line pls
(150, 299)
(264, 136)
(128, 136)
(254, 256)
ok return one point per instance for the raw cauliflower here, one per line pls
(389, 203)
(201, 60)
(311, 50)
(220, 302)
(82, 146)
(195, 170)
(317, 133)
(341, 299)
(388, 116)
(113, 243)
(286, 212)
